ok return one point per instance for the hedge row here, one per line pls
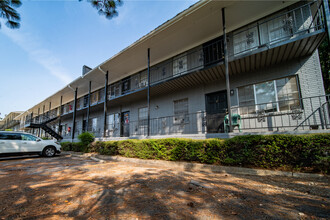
(287, 152)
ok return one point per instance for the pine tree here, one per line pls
(8, 12)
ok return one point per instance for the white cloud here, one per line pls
(31, 44)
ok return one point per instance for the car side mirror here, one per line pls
(38, 140)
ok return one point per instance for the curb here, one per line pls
(186, 166)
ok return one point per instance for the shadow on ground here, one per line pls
(68, 187)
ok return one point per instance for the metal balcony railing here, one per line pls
(42, 118)
(289, 114)
(281, 27)
(310, 113)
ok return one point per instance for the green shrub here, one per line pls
(86, 138)
(66, 146)
(77, 147)
(288, 152)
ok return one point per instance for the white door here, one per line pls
(30, 143)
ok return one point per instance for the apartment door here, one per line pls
(125, 124)
(216, 108)
(84, 124)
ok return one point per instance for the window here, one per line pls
(94, 124)
(288, 94)
(143, 116)
(79, 106)
(101, 95)
(27, 137)
(246, 99)
(143, 79)
(111, 122)
(94, 97)
(276, 95)
(10, 136)
(85, 100)
(180, 64)
(115, 90)
(265, 95)
(3, 136)
(245, 40)
(125, 86)
(213, 51)
(181, 111)
(278, 28)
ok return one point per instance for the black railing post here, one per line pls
(60, 115)
(321, 117)
(226, 68)
(148, 131)
(88, 104)
(74, 113)
(105, 104)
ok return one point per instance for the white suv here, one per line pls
(24, 143)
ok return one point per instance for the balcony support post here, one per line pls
(105, 104)
(60, 117)
(226, 68)
(148, 98)
(327, 16)
(88, 104)
(74, 114)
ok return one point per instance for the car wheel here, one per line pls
(49, 151)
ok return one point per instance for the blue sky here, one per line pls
(57, 38)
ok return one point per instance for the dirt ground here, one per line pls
(66, 187)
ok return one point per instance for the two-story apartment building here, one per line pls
(9, 121)
(250, 64)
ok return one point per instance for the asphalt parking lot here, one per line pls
(67, 187)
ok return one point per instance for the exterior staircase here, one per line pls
(319, 117)
(45, 127)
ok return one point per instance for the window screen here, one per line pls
(246, 99)
(181, 111)
(288, 94)
(275, 95)
(143, 116)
